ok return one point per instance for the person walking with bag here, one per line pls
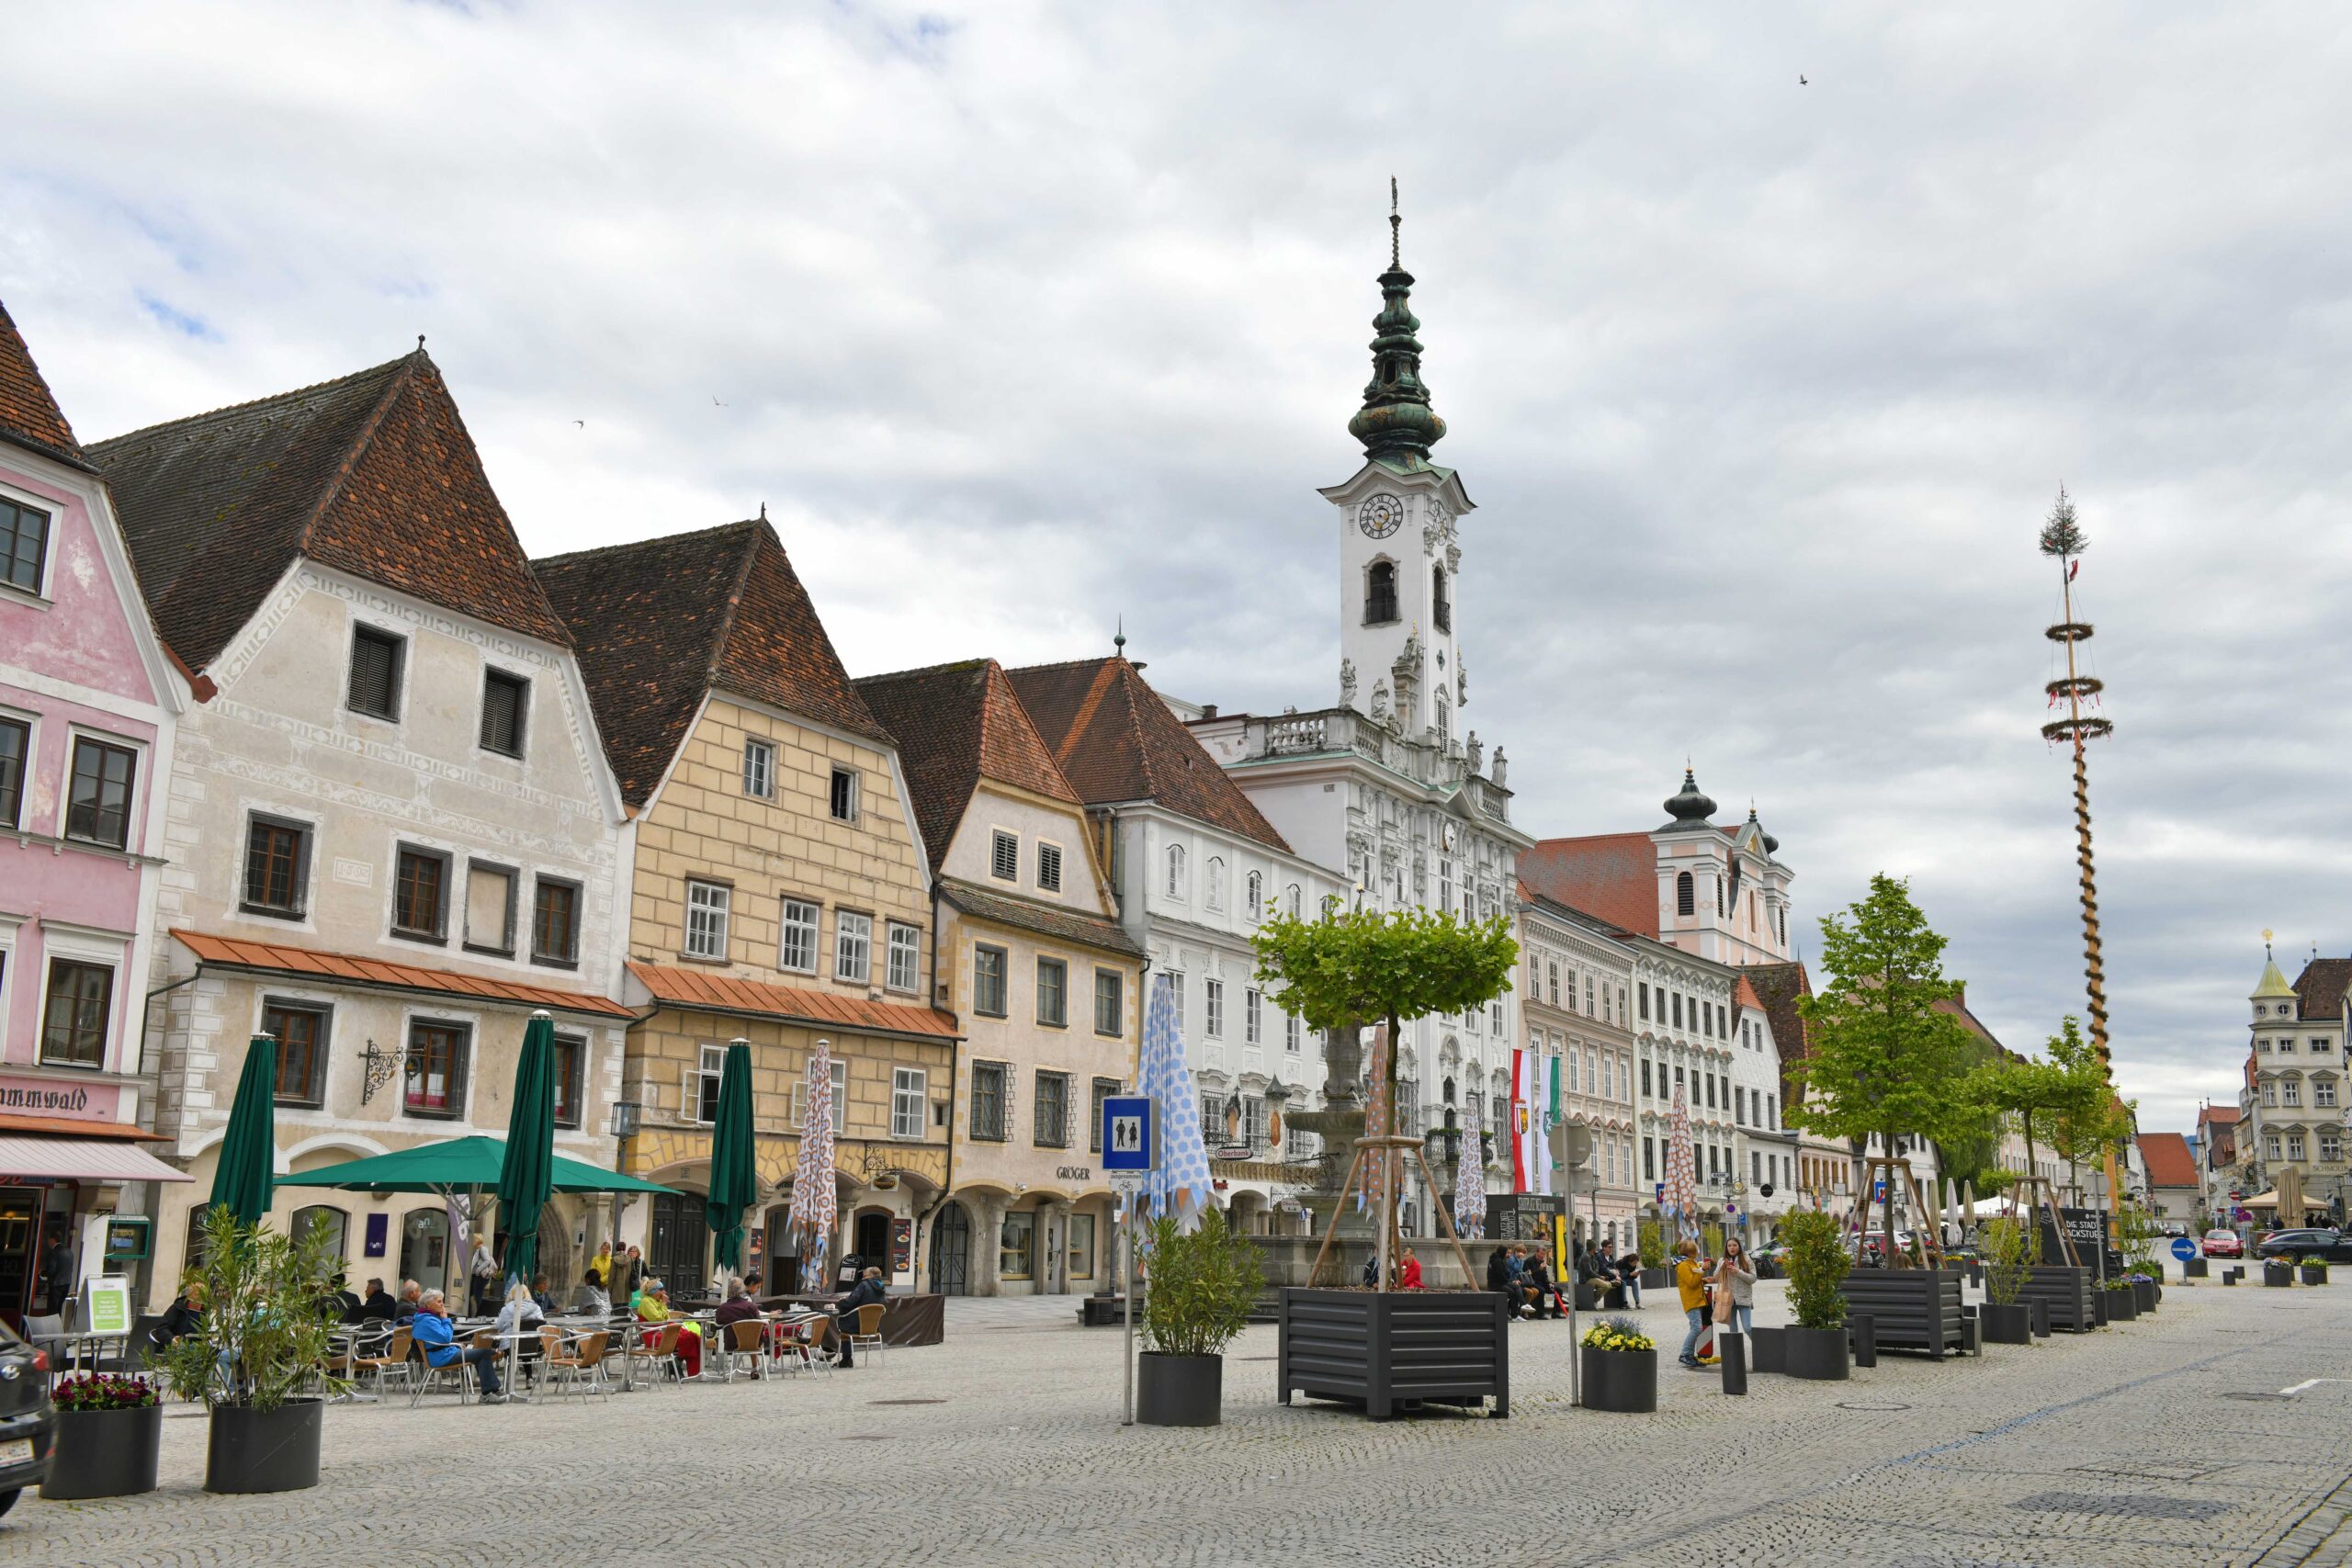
(1735, 1288)
(1691, 1282)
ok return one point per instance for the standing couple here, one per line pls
(1734, 1279)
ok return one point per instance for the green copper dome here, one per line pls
(1396, 422)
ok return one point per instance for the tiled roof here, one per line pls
(1117, 741)
(1958, 1008)
(278, 958)
(2168, 1160)
(1778, 986)
(29, 413)
(2319, 989)
(1036, 915)
(1610, 875)
(2218, 1115)
(1743, 996)
(660, 622)
(792, 1004)
(373, 474)
(956, 724)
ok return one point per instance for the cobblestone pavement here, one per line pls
(1002, 1447)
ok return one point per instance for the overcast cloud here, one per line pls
(1022, 317)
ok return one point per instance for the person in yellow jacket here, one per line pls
(1690, 1281)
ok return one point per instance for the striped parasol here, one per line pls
(1375, 1118)
(1161, 1074)
(1470, 1177)
(814, 1206)
(1682, 1179)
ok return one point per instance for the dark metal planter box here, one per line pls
(1769, 1349)
(1384, 1350)
(2193, 1269)
(1915, 1309)
(2123, 1307)
(2068, 1291)
(1178, 1391)
(2280, 1274)
(2143, 1294)
(104, 1453)
(2315, 1273)
(263, 1450)
(1819, 1354)
(2005, 1324)
(1620, 1379)
(1657, 1278)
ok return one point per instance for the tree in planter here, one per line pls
(1884, 1062)
(1650, 1237)
(2009, 1249)
(1202, 1285)
(269, 1311)
(1816, 1264)
(1349, 968)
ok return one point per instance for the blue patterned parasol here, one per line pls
(1162, 1074)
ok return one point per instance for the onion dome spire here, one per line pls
(1690, 808)
(1396, 422)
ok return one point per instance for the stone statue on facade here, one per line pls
(1380, 699)
(1347, 683)
(1478, 749)
(1501, 765)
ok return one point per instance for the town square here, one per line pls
(743, 808)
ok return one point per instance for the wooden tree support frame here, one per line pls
(1387, 1221)
(2041, 1185)
(1930, 1235)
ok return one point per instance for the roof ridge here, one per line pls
(725, 633)
(911, 674)
(332, 491)
(569, 556)
(1070, 664)
(250, 404)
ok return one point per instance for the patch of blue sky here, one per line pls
(171, 316)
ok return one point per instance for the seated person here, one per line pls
(1408, 1273)
(739, 1303)
(377, 1307)
(438, 1342)
(184, 1318)
(654, 1306)
(411, 1298)
(866, 1292)
(522, 1314)
(345, 1300)
(591, 1298)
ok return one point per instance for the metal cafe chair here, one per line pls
(868, 1334)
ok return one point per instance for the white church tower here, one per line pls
(1398, 551)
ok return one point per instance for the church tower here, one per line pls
(1399, 547)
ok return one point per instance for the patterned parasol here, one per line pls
(1470, 1178)
(814, 1206)
(1682, 1179)
(1183, 1157)
(1376, 1117)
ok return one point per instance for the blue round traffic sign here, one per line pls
(2184, 1248)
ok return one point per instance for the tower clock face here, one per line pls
(1380, 516)
(1439, 517)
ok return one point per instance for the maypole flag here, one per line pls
(1527, 1114)
(1554, 1113)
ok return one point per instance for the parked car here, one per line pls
(2223, 1244)
(27, 1422)
(2334, 1245)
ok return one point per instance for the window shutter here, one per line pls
(690, 1090)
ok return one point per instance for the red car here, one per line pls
(2223, 1244)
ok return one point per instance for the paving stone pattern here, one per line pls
(2105, 1451)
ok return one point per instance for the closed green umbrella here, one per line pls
(241, 1178)
(526, 1174)
(734, 1162)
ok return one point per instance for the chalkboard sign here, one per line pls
(1523, 1216)
(2088, 1229)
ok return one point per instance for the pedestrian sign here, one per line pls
(1130, 1138)
(2184, 1248)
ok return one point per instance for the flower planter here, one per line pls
(1819, 1354)
(2005, 1324)
(1178, 1391)
(1382, 1350)
(2315, 1273)
(1620, 1379)
(1769, 1349)
(1657, 1278)
(263, 1450)
(104, 1453)
(2278, 1274)
(1914, 1309)
(2122, 1306)
(2066, 1291)
(2143, 1294)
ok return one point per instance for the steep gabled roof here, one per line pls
(956, 724)
(660, 622)
(2319, 989)
(1610, 875)
(373, 474)
(1115, 740)
(1957, 1007)
(1778, 986)
(29, 413)
(2168, 1160)
(2218, 1115)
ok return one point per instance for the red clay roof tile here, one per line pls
(28, 412)
(1612, 876)
(2168, 1160)
(726, 993)
(283, 958)
(956, 724)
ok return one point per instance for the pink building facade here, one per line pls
(88, 699)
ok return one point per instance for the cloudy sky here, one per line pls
(1021, 317)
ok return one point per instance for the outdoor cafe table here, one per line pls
(906, 1319)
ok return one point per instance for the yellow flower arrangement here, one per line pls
(1617, 1333)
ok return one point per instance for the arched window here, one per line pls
(1256, 897)
(1294, 901)
(1216, 883)
(1686, 898)
(338, 1226)
(1380, 593)
(1176, 872)
(1720, 910)
(1441, 607)
(1444, 720)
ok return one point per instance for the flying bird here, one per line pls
(1802, 82)
(714, 403)
(581, 422)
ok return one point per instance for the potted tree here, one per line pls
(1382, 1347)
(109, 1429)
(258, 1358)
(2314, 1268)
(2008, 1245)
(1650, 1239)
(1814, 1345)
(1620, 1367)
(1202, 1286)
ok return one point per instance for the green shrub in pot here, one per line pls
(2009, 1249)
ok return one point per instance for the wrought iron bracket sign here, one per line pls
(382, 1066)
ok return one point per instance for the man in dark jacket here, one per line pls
(377, 1307)
(866, 1292)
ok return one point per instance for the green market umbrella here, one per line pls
(241, 1181)
(458, 1165)
(734, 1160)
(525, 1175)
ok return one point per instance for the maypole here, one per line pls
(2063, 540)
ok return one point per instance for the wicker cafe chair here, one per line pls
(795, 1343)
(585, 1359)
(393, 1362)
(866, 1336)
(459, 1374)
(661, 1352)
(741, 1345)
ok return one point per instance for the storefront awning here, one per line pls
(81, 1159)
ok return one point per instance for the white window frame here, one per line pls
(909, 1102)
(905, 941)
(841, 772)
(759, 768)
(1175, 860)
(1253, 1001)
(1256, 899)
(46, 594)
(1291, 1031)
(710, 1065)
(716, 915)
(1213, 1003)
(853, 940)
(114, 953)
(788, 927)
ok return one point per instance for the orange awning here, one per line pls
(76, 1127)
(792, 1004)
(309, 962)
